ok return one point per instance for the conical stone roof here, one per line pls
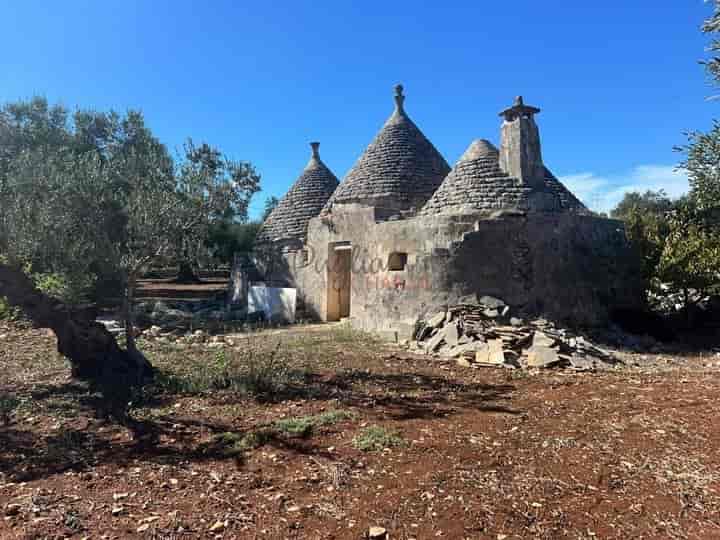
(400, 169)
(476, 184)
(304, 200)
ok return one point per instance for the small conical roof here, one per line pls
(399, 170)
(304, 200)
(476, 184)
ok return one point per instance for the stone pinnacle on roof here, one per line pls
(304, 200)
(399, 99)
(399, 170)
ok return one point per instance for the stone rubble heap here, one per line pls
(196, 338)
(481, 333)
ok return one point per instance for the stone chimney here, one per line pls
(520, 155)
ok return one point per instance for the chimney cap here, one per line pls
(518, 109)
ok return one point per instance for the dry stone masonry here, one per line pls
(403, 236)
(477, 184)
(307, 196)
(399, 171)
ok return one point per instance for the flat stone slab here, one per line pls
(436, 320)
(541, 339)
(492, 353)
(491, 302)
(581, 363)
(434, 342)
(540, 356)
(464, 348)
(451, 334)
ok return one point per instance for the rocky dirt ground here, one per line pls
(347, 434)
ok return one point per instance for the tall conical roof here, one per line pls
(304, 200)
(399, 170)
(476, 184)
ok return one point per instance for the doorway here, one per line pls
(338, 280)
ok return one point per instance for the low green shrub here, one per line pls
(254, 371)
(377, 438)
(302, 426)
(231, 444)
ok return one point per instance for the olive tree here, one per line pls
(98, 192)
(218, 191)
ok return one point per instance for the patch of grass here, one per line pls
(347, 334)
(255, 371)
(377, 438)
(266, 374)
(333, 417)
(230, 444)
(255, 439)
(302, 426)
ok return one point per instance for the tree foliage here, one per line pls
(226, 238)
(679, 241)
(217, 192)
(646, 217)
(97, 193)
(712, 27)
(270, 205)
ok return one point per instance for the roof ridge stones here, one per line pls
(399, 170)
(307, 196)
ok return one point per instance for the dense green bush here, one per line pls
(71, 289)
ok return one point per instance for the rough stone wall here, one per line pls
(571, 268)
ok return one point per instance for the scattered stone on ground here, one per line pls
(184, 314)
(377, 533)
(481, 333)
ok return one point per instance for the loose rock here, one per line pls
(540, 356)
(482, 334)
(12, 509)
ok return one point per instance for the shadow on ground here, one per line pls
(27, 454)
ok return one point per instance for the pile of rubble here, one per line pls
(481, 332)
(197, 338)
(184, 314)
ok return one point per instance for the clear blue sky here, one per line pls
(618, 81)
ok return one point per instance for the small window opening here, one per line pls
(397, 261)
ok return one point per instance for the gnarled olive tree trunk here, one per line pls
(92, 351)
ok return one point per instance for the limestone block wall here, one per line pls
(572, 268)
